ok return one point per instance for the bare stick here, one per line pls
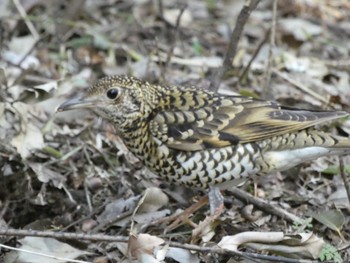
(265, 206)
(29, 23)
(242, 19)
(343, 176)
(266, 94)
(175, 36)
(64, 235)
(256, 52)
(301, 86)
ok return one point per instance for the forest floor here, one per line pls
(70, 172)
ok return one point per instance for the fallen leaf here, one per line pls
(142, 246)
(29, 140)
(333, 219)
(153, 198)
(46, 175)
(340, 199)
(48, 250)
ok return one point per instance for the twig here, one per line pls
(30, 51)
(89, 216)
(5, 205)
(256, 52)
(242, 18)
(160, 8)
(177, 218)
(87, 197)
(174, 38)
(263, 205)
(343, 64)
(24, 15)
(221, 251)
(110, 221)
(64, 235)
(266, 93)
(343, 176)
(300, 86)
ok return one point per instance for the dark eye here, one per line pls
(112, 94)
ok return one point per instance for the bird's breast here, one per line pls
(197, 168)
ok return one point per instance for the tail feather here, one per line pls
(319, 138)
(302, 139)
(283, 160)
(284, 152)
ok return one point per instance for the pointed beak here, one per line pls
(76, 103)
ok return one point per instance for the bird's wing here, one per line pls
(224, 121)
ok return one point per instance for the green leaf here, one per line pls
(248, 93)
(334, 169)
(329, 252)
(333, 219)
(198, 49)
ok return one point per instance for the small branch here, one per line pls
(242, 19)
(343, 176)
(265, 206)
(266, 93)
(24, 15)
(256, 52)
(251, 256)
(37, 42)
(63, 235)
(175, 36)
(160, 8)
(5, 206)
(300, 86)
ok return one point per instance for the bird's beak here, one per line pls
(77, 103)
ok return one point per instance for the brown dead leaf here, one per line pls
(205, 229)
(152, 199)
(142, 246)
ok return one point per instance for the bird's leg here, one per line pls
(216, 200)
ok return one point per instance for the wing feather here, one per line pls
(223, 121)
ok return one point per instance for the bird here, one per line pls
(207, 140)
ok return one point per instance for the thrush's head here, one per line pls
(123, 100)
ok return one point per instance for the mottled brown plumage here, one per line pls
(202, 139)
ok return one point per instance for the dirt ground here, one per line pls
(70, 172)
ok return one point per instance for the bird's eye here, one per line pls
(112, 94)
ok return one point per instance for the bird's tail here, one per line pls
(305, 138)
(292, 149)
(314, 137)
